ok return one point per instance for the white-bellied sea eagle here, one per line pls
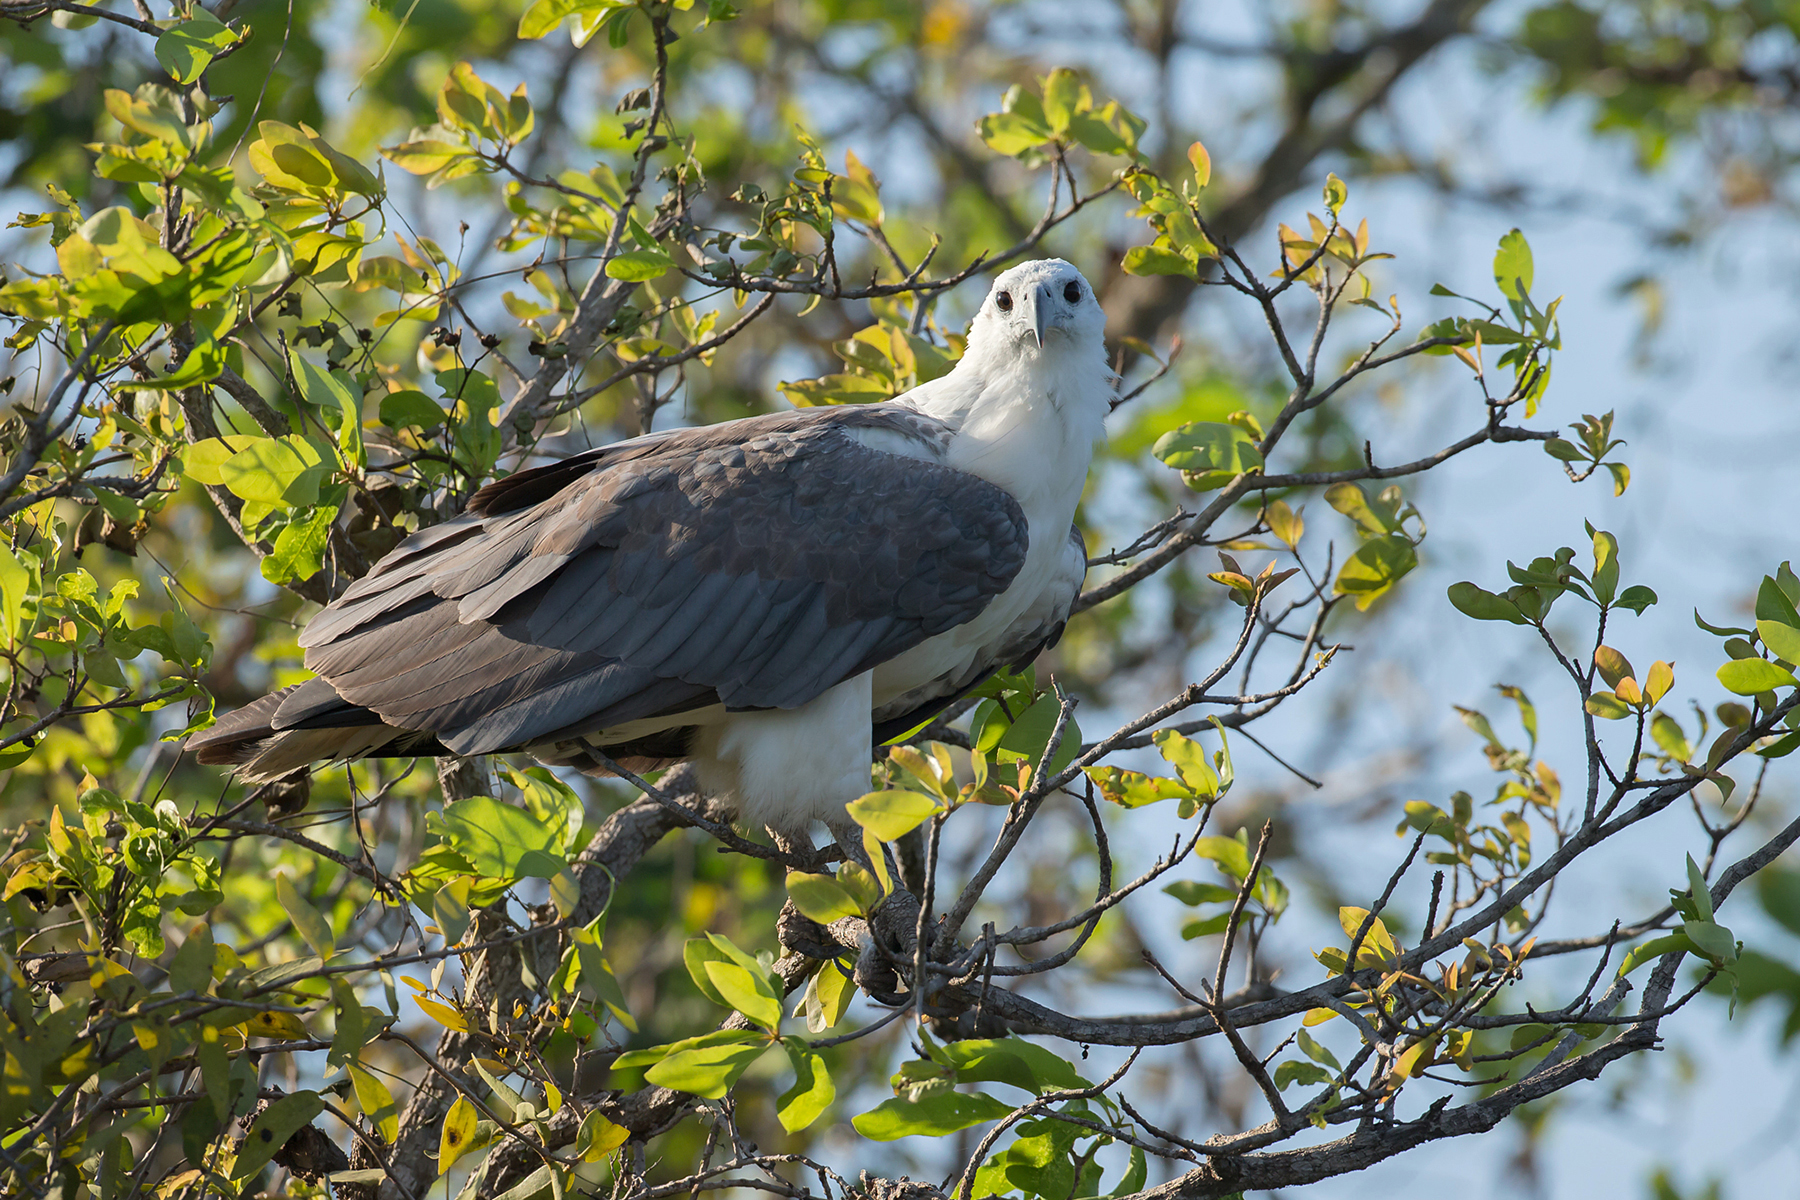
(767, 597)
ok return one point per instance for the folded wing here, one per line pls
(753, 564)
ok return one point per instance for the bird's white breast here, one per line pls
(1029, 428)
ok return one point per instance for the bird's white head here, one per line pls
(1038, 309)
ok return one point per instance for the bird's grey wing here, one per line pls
(1036, 630)
(754, 564)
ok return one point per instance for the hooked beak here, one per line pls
(1040, 315)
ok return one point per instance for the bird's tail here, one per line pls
(301, 725)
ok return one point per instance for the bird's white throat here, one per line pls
(1027, 420)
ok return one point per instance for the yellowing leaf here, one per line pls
(443, 1014)
(281, 1026)
(458, 1133)
(598, 1137)
(1202, 162)
(1377, 944)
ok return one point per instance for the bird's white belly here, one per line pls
(786, 768)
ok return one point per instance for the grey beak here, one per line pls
(1040, 312)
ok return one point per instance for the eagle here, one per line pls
(768, 597)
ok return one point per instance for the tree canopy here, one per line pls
(293, 281)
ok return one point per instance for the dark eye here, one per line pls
(1072, 293)
(1004, 301)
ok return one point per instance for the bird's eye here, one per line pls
(1004, 301)
(1072, 292)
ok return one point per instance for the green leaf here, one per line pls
(747, 991)
(543, 16)
(1160, 260)
(1375, 568)
(1094, 133)
(1299, 1071)
(503, 1099)
(1232, 856)
(1565, 451)
(500, 841)
(1335, 192)
(15, 584)
(1012, 1060)
(270, 1131)
(1671, 943)
(1204, 446)
(192, 968)
(551, 801)
(300, 547)
(637, 266)
(708, 1071)
(827, 998)
(1751, 676)
(1713, 941)
(1698, 889)
(1190, 891)
(813, 1091)
(307, 920)
(933, 1114)
(333, 390)
(1315, 1051)
(1063, 96)
(1189, 759)
(1512, 266)
(1026, 738)
(450, 909)
(891, 814)
(1472, 601)
(1605, 577)
(1608, 706)
(820, 897)
(1669, 735)
(1012, 133)
(1782, 639)
(187, 49)
(424, 156)
(1772, 604)
(411, 409)
(1372, 519)
(281, 472)
(202, 461)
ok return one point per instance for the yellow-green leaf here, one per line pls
(377, 1103)
(307, 919)
(890, 814)
(820, 897)
(1751, 676)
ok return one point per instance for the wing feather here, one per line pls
(753, 564)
